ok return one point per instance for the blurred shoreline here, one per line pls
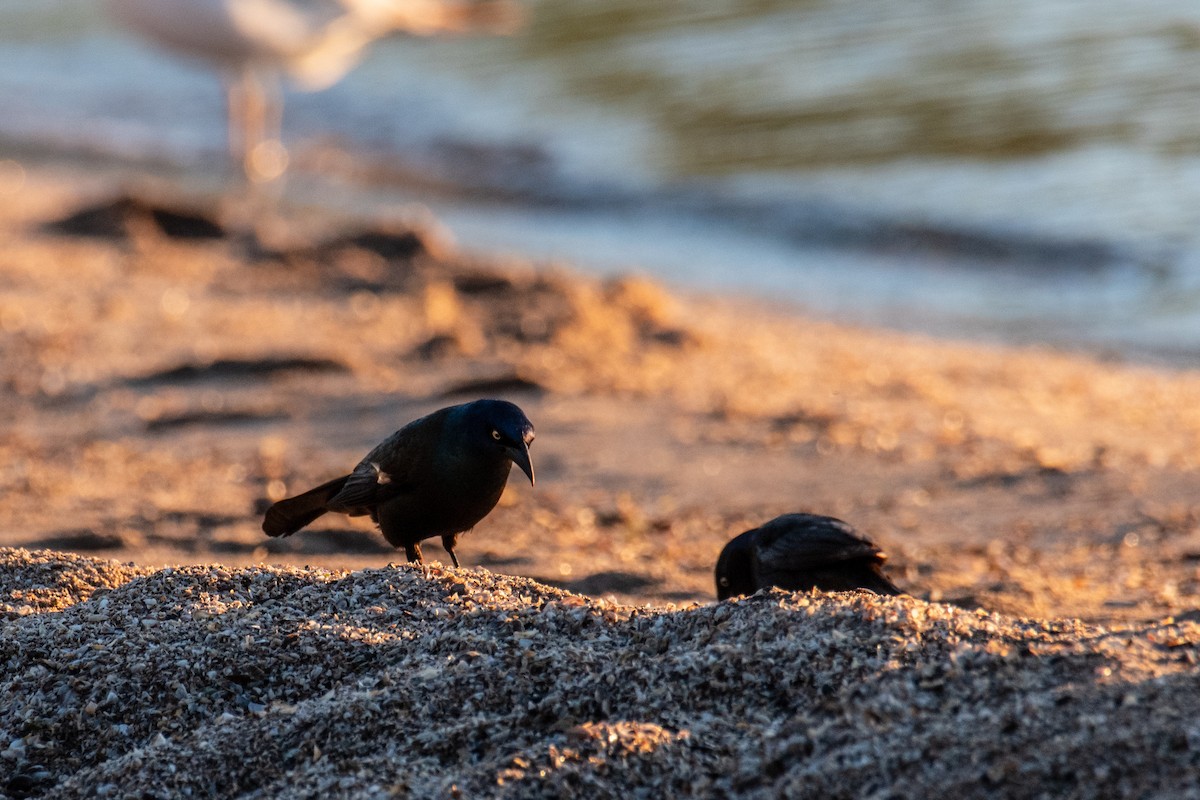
(925, 169)
(1107, 299)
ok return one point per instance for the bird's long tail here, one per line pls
(288, 516)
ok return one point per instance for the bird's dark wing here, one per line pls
(809, 541)
(364, 488)
(393, 468)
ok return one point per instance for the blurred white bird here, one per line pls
(314, 42)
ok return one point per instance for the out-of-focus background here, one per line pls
(1001, 173)
(1024, 171)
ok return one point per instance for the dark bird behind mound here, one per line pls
(800, 552)
(436, 476)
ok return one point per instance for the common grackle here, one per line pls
(436, 476)
(798, 552)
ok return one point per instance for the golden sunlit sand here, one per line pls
(162, 389)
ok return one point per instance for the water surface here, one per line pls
(1028, 171)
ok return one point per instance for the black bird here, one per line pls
(436, 476)
(798, 552)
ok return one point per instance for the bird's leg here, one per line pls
(255, 123)
(255, 118)
(272, 114)
(237, 117)
(448, 542)
(413, 551)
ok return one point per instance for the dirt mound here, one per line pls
(208, 681)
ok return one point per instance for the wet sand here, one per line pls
(165, 380)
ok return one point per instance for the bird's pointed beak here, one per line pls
(520, 457)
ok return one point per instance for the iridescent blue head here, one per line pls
(501, 424)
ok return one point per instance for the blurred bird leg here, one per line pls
(255, 121)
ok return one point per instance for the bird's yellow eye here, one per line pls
(496, 435)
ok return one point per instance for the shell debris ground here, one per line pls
(411, 681)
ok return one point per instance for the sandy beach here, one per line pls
(166, 379)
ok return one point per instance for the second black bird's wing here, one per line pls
(807, 540)
(802, 551)
(393, 468)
